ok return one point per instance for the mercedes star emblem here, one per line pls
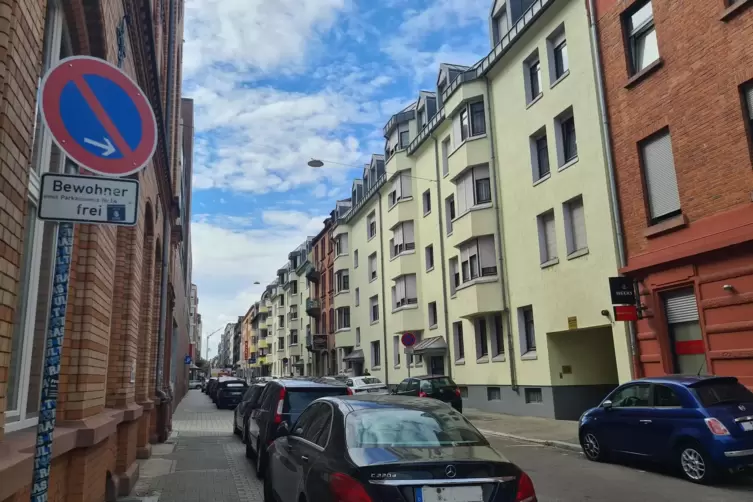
(450, 471)
(741, 407)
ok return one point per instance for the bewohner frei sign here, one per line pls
(88, 199)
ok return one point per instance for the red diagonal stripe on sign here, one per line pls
(102, 116)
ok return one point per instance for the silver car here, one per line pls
(366, 385)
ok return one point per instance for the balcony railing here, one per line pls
(313, 308)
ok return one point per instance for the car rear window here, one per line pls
(403, 427)
(370, 380)
(298, 399)
(234, 384)
(440, 382)
(723, 392)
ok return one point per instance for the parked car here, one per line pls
(230, 393)
(216, 386)
(207, 384)
(435, 386)
(702, 425)
(283, 400)
(366, 384)
(248, 403)
(194, 384)
(382, 448)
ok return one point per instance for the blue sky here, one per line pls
(278, 82)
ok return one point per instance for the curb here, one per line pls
(563, 445)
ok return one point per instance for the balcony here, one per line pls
(399, 161)
(342, 261)
(295, 349)
(343, 299)
(407, 317)
(404, 210)
(313, 275)
(345, 338)
(482, 295)
(402, 264)
(313, 308)
(478, 221)
(473, 151)
(466, 91)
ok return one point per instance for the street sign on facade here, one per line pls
(408, 339)
(88, 199)
(622, 291)
(98, 116)
(625, 313)
(187, 359)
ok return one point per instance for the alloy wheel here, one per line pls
(693, 464)
(591, 446)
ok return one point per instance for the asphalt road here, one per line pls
(565, 476)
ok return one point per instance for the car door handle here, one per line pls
(645, 421)
(304, 458)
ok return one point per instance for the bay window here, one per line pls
(403, 239)
(478, 259)
(341, 244)
(404, 291)
(342, 280)
(343, 318)
(468, 123)
(473, 188)
(401, 189)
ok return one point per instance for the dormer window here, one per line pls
(500, 23)
(404, 135)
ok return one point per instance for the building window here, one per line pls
(567, 145)
(342, 278)
(643, 47)
(557, 49)
(470, 122)
(478, 258)
(372, 266)
(358, 297)
(547, 237)
(396, 344)
(449, 206)
(575, 225)
(501, 24)
(355, 259)
(293, 337)
(432, 314)
(358, 337)
(532, 69)
(403, 239)
(343, 318)
(426, 198)
(493, 394)
(498, 342)
(404, 292)
(376, 357)
(660, 176)
(527, 331)
(445, 156)
(534, 395)
(331, 280)
(331, 320)
(748, 104)
(401, 190)
(416, 359)
(482, 338)
(341, 244)
(457, 330)
(685, 336)
(540, 155)
(374, 308)
(473, 188)
(454, 275)
(371, 228)
(404, 135)
(429, 257)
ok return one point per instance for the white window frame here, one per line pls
(433, 322)
(340, 318)
(355, 259)
(370, 219)
(341, 245)
(461, 135)
(532, 60)
(396, 344)
(458, 335)
(446, 147)
(499, 29)
(660, 176)
(450, 207)
(358, 337)
(376, 356)
(374, 302)
(536, 158)
(16, 419)
(429, 257)
(426, 202)
(643, 31)
(373, 273)
(570, 215)
(403, 239)
(547, 249)
(405, 292)
(358, 297)
(557, 39)
(560, 137)
(340, 276)
(466, 189)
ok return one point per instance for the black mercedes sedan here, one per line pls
(382, 448)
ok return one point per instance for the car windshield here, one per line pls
(403, 427)
(369, 380)
(298, 399)
(722, 392)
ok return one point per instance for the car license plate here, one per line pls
(374, 390)
(747, 426)
(449, 494)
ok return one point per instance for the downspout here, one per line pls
(497, 206)
(384, 294)
(445, 306)
(167, 210)
(613, 198)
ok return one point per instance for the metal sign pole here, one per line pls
(51, 375)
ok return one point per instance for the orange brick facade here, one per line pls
(695, 92)
(108, 412)
(323, 254)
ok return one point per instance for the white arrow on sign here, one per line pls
(107, 148)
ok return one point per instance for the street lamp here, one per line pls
(317, 163)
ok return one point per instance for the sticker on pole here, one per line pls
(88, 199)
(408, 339)
(98, 116)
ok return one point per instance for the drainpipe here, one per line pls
(500, 241)
(442, 257)
(613, 198)
(384, 294)
(167, 212)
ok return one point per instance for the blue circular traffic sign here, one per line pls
(408, 339)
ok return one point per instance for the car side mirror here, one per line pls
(283, 430)
(607, 405)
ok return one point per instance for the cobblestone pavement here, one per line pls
(202, 461)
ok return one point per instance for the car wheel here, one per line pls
(592, 448)
(695, 465)
(261, 460)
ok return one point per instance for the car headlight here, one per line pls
(582, 418)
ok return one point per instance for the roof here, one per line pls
(356, 355)
(685, 380)
(434, 343)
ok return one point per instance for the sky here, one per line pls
(276, 83)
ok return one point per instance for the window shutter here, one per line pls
(408, 236)
(661, 179)
(481, 172)
(578, 221)
(398, 235)
(487, 257)
(400, 288)
(405, 185)
(551, 236)
(410, 286)
(468, 187)
(681, 306)
(461, 202)
(456, 131)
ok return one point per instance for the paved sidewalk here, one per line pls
(557, 433)
(202, 461)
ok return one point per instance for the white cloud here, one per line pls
(320, 191)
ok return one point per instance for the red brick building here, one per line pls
(321, 277)
(678, 80)
(112, 401)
